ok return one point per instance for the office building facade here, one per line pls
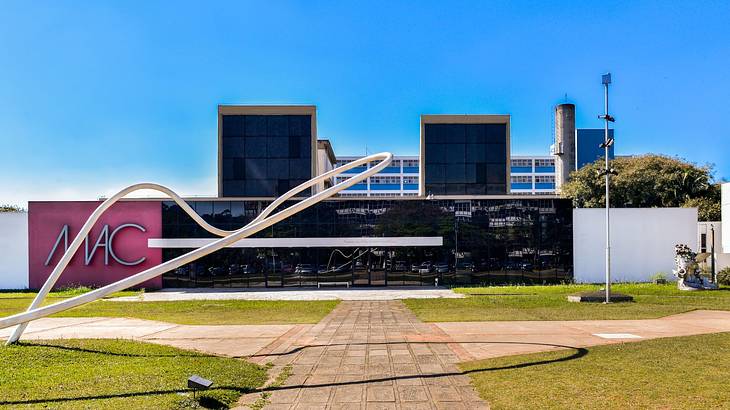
(444, 215)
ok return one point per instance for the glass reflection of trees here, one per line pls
(519, 240)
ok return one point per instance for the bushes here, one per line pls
(723, 277)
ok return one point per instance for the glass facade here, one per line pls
(485, 241)
(465, 159)
(265, 155)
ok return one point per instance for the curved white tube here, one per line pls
(228, 238)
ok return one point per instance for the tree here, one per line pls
(11, 208)
(647, 181)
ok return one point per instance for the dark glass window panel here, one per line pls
(475, 134)
(278, 147)
(496, 174)
(233, 188)
(455, 153)
(476, 153)
(300, 169)
(255, 169)
(237, 210)
(436, 173)
(436, 189)
(296, 182)
(282, 185)
(222, 212)
(278, 125)
(445, 133)
(232, 126)
(227, 169)
(239, 168)
(294, 148)
(300, 126)
(497, 153)
(434, 133)
(435, 153)
(256, 126)
(261, 187)
(204, 208)
(481, 170)
(476, 189)
(278, 169)
(305, 147)
(256, 147)
(471, 173)
(495, 133)
(455, 173)
(455, 189)
(233, 147)
(496, 189)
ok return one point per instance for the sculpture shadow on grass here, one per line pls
(578, 352)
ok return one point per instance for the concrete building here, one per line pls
(533, 174)
(399, 179)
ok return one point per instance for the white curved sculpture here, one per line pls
(228, 238)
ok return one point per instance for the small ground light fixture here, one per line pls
(196, 383)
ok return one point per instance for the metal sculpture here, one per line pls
(688, 271)
(227, 239)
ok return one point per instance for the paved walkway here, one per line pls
(229, 340)
(325, 293)
(369, 355)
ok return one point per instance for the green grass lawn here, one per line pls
(199, 312)
(114, 374)
(550, 303)
(673, 373)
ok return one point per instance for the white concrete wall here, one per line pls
(725, 201)
(13, 250)
(642, 242)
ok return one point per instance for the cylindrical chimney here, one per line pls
(564, 143)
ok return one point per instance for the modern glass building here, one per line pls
(407, 241)
(464, 154)
(265, 150)
(445, 215)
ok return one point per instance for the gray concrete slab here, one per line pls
(389, 293)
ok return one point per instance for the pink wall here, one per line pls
(46, 221)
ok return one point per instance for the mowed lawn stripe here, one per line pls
(550, 303)
(673, 373)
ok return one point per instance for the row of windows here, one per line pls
(384, 180)
(458, 153)
(395, 164)
(527, 162)
(466, 133)
(266, 126)
(519, 179)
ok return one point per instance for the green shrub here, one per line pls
(723, 277)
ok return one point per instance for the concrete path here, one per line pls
(369, 355)
(229, 340)
(390, 293)
(482, 340)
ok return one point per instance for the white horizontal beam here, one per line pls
(348, 242)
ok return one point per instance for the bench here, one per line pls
(333, 284)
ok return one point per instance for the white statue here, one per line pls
(688, 271)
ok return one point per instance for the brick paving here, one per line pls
(370, 355)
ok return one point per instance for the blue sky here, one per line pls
(98, 95)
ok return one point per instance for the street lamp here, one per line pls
(607, 171)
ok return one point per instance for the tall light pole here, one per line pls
(607, 171)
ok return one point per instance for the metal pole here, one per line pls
(712, 254)
(608, 180)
